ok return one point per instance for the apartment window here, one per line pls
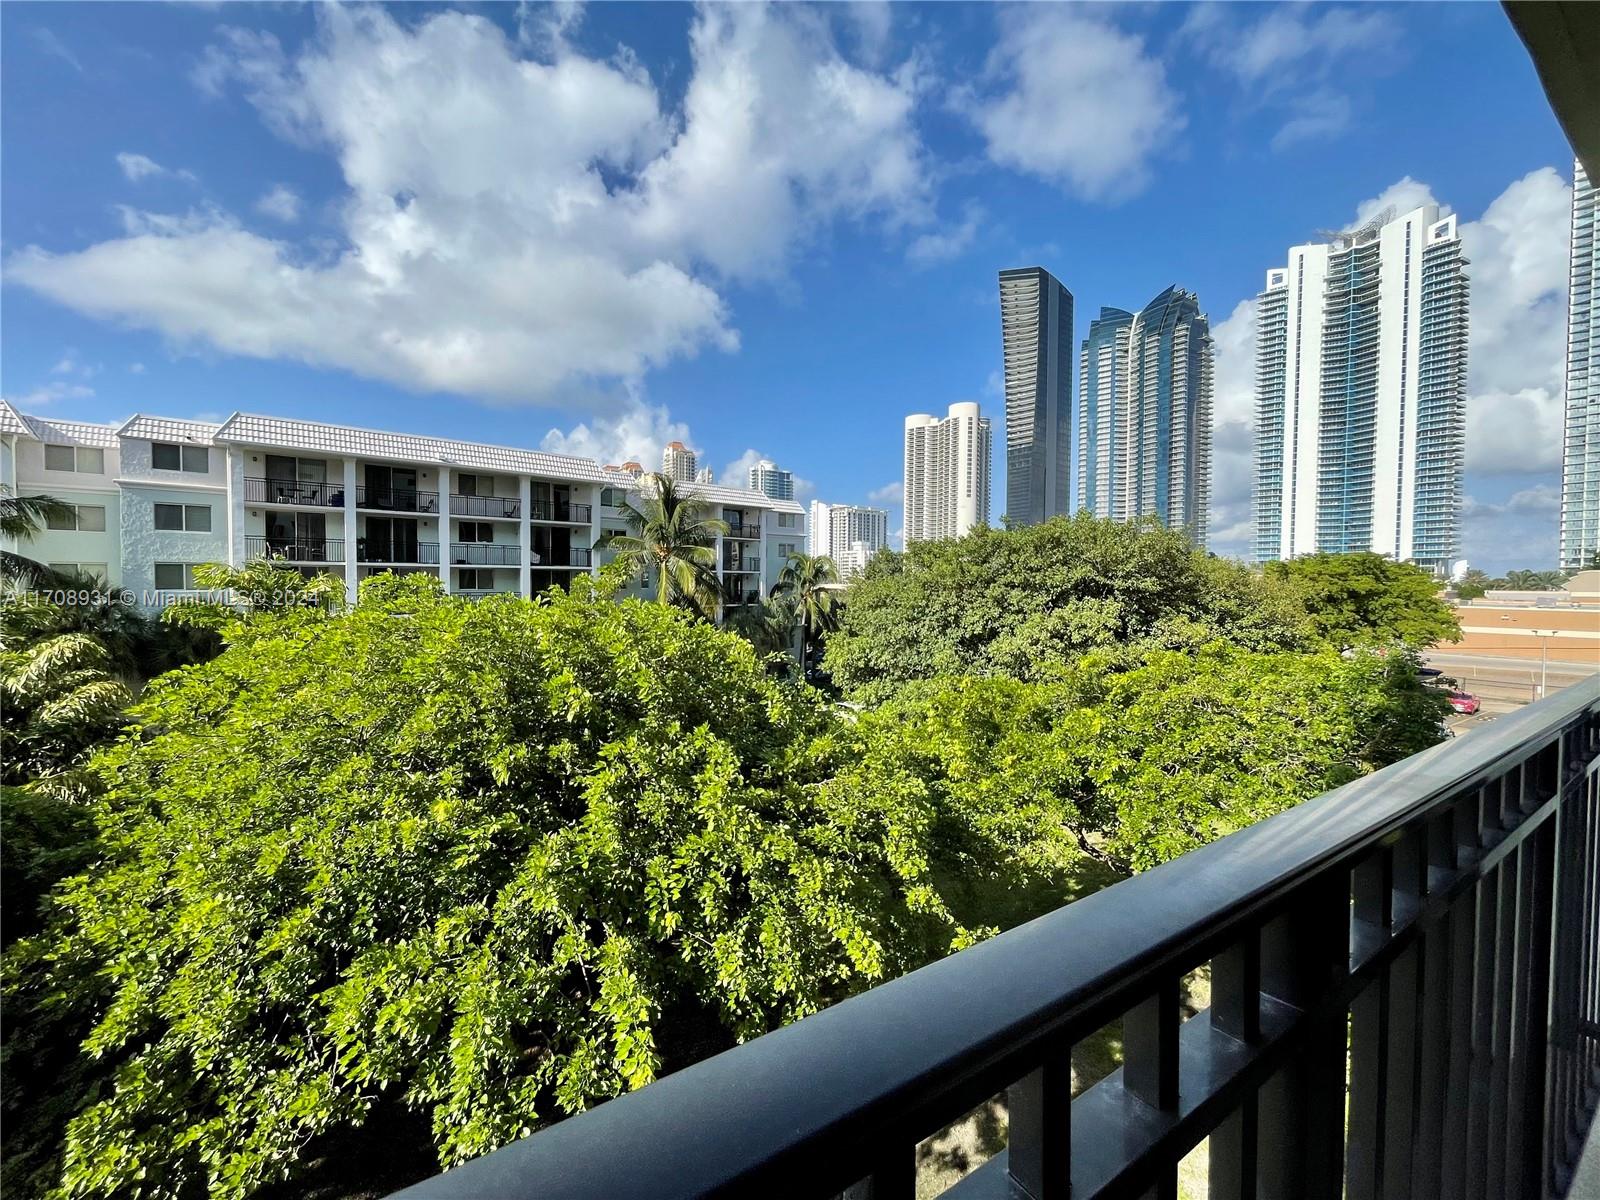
(476, 531)
(175, 577)
(165, 456)
(785, 549)
(92, 570)
(613, 497)
(83, 459)
(475, 581)
(190, 518)
(88, 518)
(474, 485)
(786, 520)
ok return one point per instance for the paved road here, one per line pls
(1519, 667)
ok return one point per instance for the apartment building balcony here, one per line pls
(485, 554)
(577, 557)
(496, 508)
(304, 550)
(293, 492)
(1405, 1001)
(749, 532)
(414, 554)
(390, 499)
(562, 512)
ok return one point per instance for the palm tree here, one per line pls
(767, 625)
(62, 699)
(812, 582)
(1534, 581)
(673, 536)
(21, 517)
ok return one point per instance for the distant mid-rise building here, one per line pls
(1144, 414)
(1580, 461)
(850, 534)
(678, 462)
(1036, 345)
(947, 472)
(769, 479)
(1361, 368)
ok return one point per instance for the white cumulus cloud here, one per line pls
(635, 432)
(514, 223)
(282, 203)
(1069, 97)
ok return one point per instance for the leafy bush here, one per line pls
(1368, 600)
(1021, 602)
(495, 861)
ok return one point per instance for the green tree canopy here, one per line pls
(1368, 600)
(1021, 602)
(482, 864)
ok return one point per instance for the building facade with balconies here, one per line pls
(156, 497)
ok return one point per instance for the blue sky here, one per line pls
(765, 232)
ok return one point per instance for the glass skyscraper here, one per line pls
(1144, 425)
(1361, 366)
(1580, 462)
(1036, 342)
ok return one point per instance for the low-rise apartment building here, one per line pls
(155, 497)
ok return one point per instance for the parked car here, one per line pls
(1464, 702)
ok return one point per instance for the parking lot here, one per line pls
(1504, 685)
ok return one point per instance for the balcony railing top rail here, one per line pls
(1418, 924)
(572, 556)
(295, 549)
(746, 530)
(397, 499)
(504, 508)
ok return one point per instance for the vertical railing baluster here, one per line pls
(1439, 1016)
(1500, 1045)
(1039, 1159)
(1477, 1090)
(1401, 1066)
(1531, 1108)
(1150, 1066)
(1457, 1113)
(1236, 1011)
(1305, 954)
(1371, 890)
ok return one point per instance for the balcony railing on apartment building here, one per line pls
(561, 511)
(572, 556)
(291, 491)
(747, 532)
(423, 553)
(310, 550)
(485, 554)
(504, 508)
(397, 499)
(1405, 981)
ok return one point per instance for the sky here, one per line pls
(765, 232)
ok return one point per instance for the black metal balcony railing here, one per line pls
(748, 564)
(320, 550)
(368, 551)
(290, 491)
(743, 531)
(561, 511)
(1405, 979)
(485, 554)
(572, 556)
(505, 508)
(397, 499)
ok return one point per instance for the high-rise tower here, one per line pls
(947, 472)
(1036, 344)
(1144, 432)
(1361, 366)
(1580, 460)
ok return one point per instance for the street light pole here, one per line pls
(1544, 636)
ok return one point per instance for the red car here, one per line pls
(1464, 702)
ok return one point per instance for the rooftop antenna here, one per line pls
(1364, 233)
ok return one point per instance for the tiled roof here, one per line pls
(72, 433)
(367, 443)
(11, 421)
(168, 429)
(716, 494)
